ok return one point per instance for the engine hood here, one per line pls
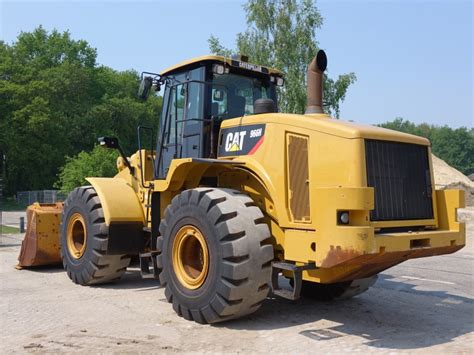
(328, 125)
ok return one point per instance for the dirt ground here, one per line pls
(424, 305)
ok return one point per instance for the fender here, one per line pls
(119, 201)
(188, 171)
(123, 214)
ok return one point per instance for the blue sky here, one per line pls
(413, 59)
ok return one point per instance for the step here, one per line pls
(297, 271)
(148, 271)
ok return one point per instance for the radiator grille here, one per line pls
(400, 176)
(298, 177)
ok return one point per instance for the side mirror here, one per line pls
(108, 142)
(112, 142)
(145, 87)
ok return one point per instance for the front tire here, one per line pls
(216, 256)
(84, 239)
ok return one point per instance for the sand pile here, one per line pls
(446, 177)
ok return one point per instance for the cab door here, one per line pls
(181, 120)
(169, 141)
(194, 115)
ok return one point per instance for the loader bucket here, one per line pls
(41, 243)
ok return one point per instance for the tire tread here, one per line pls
(100, 268)
(242, 232)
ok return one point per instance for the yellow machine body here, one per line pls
(304, 170)
(301, 198)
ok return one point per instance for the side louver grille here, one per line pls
(298, 177)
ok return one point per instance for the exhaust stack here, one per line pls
(315, 83)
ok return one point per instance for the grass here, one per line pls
(9, 204)
(9, 230)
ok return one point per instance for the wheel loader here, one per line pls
(238, 199)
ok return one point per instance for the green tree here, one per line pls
(282, 34)
(100, 162)
(455, 146)
(55, 101)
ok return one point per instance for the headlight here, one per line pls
(343, 217)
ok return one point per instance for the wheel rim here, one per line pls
(76, 236)
(190, 257)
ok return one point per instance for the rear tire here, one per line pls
(336, 291)
(84, 239)
(229, 275)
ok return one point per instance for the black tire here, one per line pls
(94, 266)
(335, 291)
(239, 253)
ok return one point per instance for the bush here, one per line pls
(100, 162)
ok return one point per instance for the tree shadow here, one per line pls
(401, 318)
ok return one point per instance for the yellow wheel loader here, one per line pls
(236, 196)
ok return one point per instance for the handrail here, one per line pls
(139, 129)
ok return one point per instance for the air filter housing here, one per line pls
(264, 106)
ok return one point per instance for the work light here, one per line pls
(277, 80)
(218, 69)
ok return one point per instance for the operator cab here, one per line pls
(198, 95)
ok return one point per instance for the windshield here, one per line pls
(234, 95)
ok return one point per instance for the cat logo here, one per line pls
(234, 141)
(241, 140)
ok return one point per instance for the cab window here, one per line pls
(234, 95)
(176, 113)
(194, 101)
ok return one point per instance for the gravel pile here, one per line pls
(447, 177)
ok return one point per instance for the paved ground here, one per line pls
(424, 305)
(12, 219)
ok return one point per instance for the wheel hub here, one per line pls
(190, 257)
(76, 236)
